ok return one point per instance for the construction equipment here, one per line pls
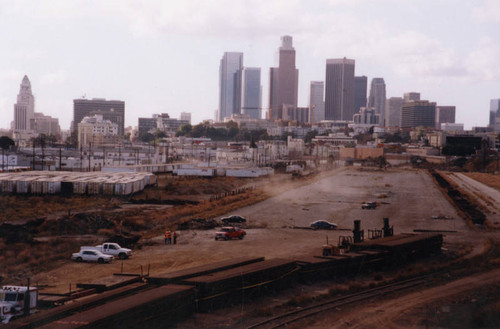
(344, 245)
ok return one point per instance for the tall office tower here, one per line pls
(494, 111)
(284, 80)
(316, 101)
(111, 110)
(444, 114)
(411, 96)
(339, 89)
(377, 97)
(273, 88)
(393, 107)
(230, 68)
(360, 88)
(24, 109)
(418, 113)
(251, 98)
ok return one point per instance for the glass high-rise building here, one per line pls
(360, 92)
(316, 101)
(251, 99)
(494, 111)
(377, 97)
(230, 68)
(339, 89)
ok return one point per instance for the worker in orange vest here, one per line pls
(168, 237)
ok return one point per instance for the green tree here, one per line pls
(146, 137)
(184, 130)
(310, 135)
(42, 141)
(5, 144)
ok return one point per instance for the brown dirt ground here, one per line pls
(487, 179)
(408, 197)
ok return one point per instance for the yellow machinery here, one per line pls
(343, 246)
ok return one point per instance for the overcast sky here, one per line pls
(163, 56)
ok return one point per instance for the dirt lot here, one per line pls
(409, 198)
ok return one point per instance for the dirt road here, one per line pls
(487, 197)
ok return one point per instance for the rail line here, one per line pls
(293, 316)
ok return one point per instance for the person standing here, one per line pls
(168, 237)
(175, 237)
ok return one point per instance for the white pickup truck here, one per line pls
(111, 248)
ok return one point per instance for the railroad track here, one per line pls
(292, 316)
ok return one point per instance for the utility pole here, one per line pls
(60, 158)
(90, 148)
(33, 164)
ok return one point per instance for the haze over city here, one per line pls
(163, 56)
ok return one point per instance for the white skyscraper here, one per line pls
(24, 109)
(231, 65)
(316, 101)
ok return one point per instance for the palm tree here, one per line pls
(5, 144)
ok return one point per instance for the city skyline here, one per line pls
(154, 56)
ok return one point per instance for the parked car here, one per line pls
(230, 232)
(111, 248)
(233, 219)
(85, 255)
(369, 205)
(323, 225)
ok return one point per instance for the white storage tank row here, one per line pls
(46, 182)
(147, 168)
(193, 169)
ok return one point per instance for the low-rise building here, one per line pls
(95, 131)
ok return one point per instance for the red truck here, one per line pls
(229, 232)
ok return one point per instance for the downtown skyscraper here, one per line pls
(377, 97)
(393, 107)
(251, 96)
(339, 89)
(24, 109)
(360, 92)
(316, 101)
(494, 114)
(230, 70)
(284, 79)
